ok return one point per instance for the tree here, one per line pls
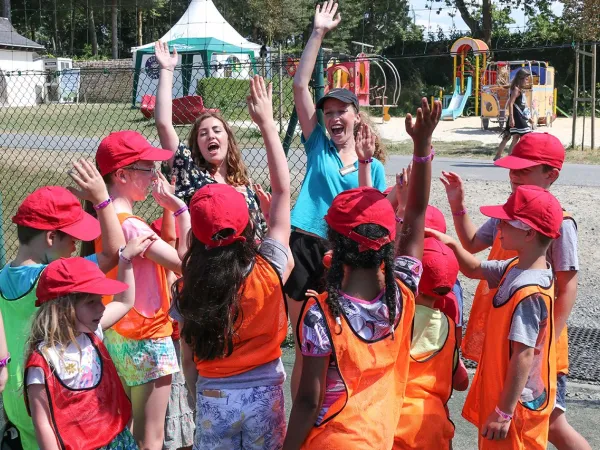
(583, 17)
(482, 26)
(6, 9)
(114, 27)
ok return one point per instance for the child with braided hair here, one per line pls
(355, 337)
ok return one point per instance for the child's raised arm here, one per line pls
(163, 110)
(409, 239)
(469, 265)
(93, 189)
(124, 301)
(260, 106)
(325, 21)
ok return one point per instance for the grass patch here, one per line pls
(479, 150)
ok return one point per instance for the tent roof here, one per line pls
(10, 38)
(194, 45)
(203, 20)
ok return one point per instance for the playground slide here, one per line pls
(458, 101)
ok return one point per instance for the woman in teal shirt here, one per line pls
(332, 167)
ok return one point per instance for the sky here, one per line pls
(426, 19)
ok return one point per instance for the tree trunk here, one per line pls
(92, 27)
(140, 22)
(486, 9)
(56, 41)
(6, 9)
(72, 36)
(114, 30)
(472, 23)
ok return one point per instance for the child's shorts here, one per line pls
(236, 419)
(123, 441)
(139, 362)
(561, 392)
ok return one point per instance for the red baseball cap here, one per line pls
(56, 208)
(435, 219)
(534, 149)
(74, 275)
(440, 268)
(360, 206)
(533, 206)
(156, 226)
(218, 207)
(122, 148)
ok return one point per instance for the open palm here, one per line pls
(325, 17)
(165, 59)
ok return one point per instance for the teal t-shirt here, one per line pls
(323, 182)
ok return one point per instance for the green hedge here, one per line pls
(229, 95)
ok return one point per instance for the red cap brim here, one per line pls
(155, 154)
(495, 212)
(103, 286)
(515, 163)
(87, 229)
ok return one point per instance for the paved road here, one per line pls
(480, 169)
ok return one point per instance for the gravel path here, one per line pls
(581, 201)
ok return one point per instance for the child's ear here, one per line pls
(51, 236)
(531, 235)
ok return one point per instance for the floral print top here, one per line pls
(190, 178)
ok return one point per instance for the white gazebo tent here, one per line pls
(206, 43)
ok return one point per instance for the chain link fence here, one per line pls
(50, 119)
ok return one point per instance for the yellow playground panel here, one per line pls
(540, 95)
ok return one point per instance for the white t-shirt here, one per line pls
(77, 370)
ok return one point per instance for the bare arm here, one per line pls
(410, 241)
(164, 255)
(40, 413)
(519, 367)
(464, 226)
(469, 265)
(325, 20)
(365, 148)
(163, 111)
(260, 106)
(92, 188)
(307, 402)
(124, 301)
(511, 102)
(189, 367)
(566, 293)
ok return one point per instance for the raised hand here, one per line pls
(455, 192)
(402, 180)
(427, 120)
(443, 238)
(260, 101)
(264, 198)
(90, 182)
(164, 194)
(165, 59)
(365, 142)
(325, 17)
(138, 245)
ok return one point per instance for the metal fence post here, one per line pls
(280, 60)
(319, 83)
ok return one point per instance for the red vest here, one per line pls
(84, 419)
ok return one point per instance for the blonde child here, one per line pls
(73, 391)
(140, 343)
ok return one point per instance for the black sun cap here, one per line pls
(340, 94)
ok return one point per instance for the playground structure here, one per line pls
(540, 95)
(356, 76)
(463, 73)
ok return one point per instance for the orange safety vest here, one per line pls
(134, 325)
(261, 326)
(529, 428)
(374, 374)
(473, 340)
(424, 420)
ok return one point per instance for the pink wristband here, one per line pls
(180, 211)
(399, 220)
(424, 159)
(103, 204)
(503, 414)
(365, 161)
(462, 212)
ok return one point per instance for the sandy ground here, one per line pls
(469, 129)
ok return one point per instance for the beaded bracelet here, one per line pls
(424, 159)
(365, 161)
(103, 204)
(503, 415)
(399, 220)
(123, 257)
(180, 211)
(462, 212)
